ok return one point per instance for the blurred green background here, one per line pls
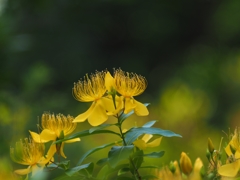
(189, 51)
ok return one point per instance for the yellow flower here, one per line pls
(233, 152)
(143, 143)
(129, 85)
(54, 127)
(92, 89)
(185, 163)
(28, 152)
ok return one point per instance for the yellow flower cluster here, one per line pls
(100, 89)
(110, 95)
(32, 152)
(182, 170)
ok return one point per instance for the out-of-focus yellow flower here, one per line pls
(128, 85)
(28, 152)
(143, 143)
(173, 172)
(232, 166)
(196, 173)
(92, 89)
(185, 163)
(55, 128)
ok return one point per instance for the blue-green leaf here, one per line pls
(73, 170)
(155, 154)
(102, 126)
(91, 151)
(134, 133)
(118, 153)
(149, 124)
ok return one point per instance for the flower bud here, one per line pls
(209, 155)
(210, 146)
(185, 164)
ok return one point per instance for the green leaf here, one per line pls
(91, 151)
(123, 171)
(150, 166)
(125, 116)
(102, 126)
(86, 133)
(155, 154)
(149, 124)
(134, 133)
(137, 158)
(64, 164)
(118, 153)
(124, 178)
(72, 171)
(103, 173)
(102, 161)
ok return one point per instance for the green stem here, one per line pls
(136, 173)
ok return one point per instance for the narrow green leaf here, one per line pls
(123, 171)
(149, 124)
(155, 154)
(134, 133)
(118, 153)
(102, 126)
(125, 116)
(86, 133)
(91, 151)
(72, 171)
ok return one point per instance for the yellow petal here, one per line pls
(140, 144)
(109, 81)
(99, 115)
(23, 171)
(155, 142)
(119, 104)
(82, 117)
(73, 140)
(140, 109)
(36, 137)
(129, 105)
(108, 103)
(61, 151)
(47, 135)
(52, 150)
(147, 137)
(229, 170)
(196, 174)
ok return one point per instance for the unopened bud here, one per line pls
(185, 164)
(210, 146)
(172, 167)
(209, 155)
